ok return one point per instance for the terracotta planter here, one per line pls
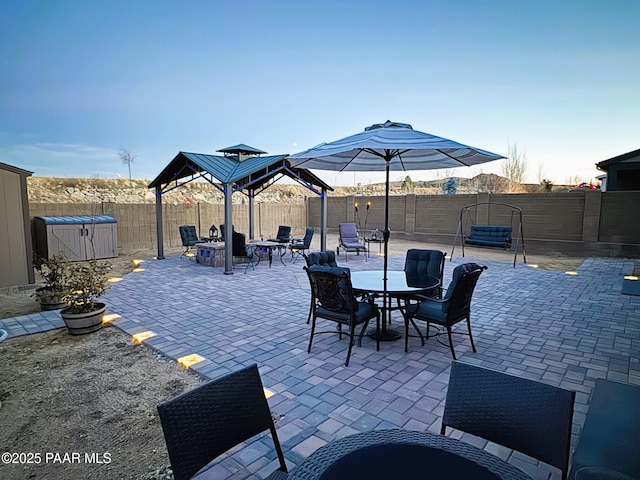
(81, 323)
(48, 301)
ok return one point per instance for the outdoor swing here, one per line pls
(490, 236)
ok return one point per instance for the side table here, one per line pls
(369, 241)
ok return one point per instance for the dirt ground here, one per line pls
(83, 406)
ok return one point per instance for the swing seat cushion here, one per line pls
(489, 236)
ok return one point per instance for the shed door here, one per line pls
(68, 239)
(100, 241)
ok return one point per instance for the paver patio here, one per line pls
(566, 330)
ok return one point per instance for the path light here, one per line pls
(136, 263)
(533, 265)
(114, 279)
(189, 360)
(571, 272)
(110, 317)
(268, 393)
(142, 336)
(630, 277)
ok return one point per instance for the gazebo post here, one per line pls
(228, 229)
(251, 205)
(159, 233)
(324, 209)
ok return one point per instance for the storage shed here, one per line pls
(78, 237)
(16, 262)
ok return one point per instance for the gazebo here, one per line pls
(241, 168)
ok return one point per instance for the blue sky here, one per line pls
(80, 80)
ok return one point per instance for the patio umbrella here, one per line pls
(390, 146)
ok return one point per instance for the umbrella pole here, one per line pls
(386, 232)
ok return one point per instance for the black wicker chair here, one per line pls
(300, 245)
(189, 238)
(446, 312)
(531, 417)
(203, 423)
(333, 299)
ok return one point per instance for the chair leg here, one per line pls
(364, 327)
(351, 341)
(453, 353)
(313, 329)
(378, 332)
(473, 345)
(310, 312)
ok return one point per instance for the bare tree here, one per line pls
(127, 158)
(514, 167)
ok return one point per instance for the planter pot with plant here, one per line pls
(87, 282)
(55, 274)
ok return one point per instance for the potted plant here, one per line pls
(55, 274)
(86, 283)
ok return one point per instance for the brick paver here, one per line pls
(540, 324)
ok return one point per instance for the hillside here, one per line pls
(122, 191)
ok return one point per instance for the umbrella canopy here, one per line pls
(390, 146)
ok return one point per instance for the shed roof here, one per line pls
(19, 171)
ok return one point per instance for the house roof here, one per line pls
(604, 165)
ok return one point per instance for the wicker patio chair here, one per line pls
(203, 423)
(531, 417)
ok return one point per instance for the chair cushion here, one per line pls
(428, 310)
(364, 311)
(457, 273)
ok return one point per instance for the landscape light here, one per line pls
(110, 317)
(142, 336)
(189, 360)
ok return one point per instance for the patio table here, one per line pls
(397, 284)
(270, 247)
(401, 454)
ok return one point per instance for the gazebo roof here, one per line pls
(251, 173)
(241, 148)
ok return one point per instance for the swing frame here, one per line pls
(519, 233)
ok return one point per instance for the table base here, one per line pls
(386, 335)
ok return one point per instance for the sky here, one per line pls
(80, 81)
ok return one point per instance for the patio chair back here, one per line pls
(283, 235)
(531, 417)
(189, 238)
(421, 263)
(221, 237)
(327, 258)
(203, 423)
(188, 235)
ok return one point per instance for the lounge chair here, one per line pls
(349, 240)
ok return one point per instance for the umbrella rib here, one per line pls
(452, 158)
(352, 159)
